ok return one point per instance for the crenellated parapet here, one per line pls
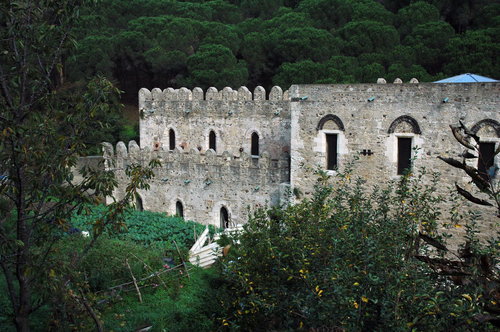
(155, 97)
(194, 164)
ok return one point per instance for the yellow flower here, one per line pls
(355, 304)
(457, 226)
(356, 284)
(364, 299)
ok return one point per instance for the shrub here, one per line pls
(189, 308)
(105, 265)
(343, 260)
(148, 228)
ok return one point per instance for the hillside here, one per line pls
(148, 43)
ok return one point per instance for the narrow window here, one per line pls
(255, 145)
(404, 154)
(138, 203)
(331, 151)
(212, 141)
(179, 209)
(171, 139)
(224, 218)
(486, 158)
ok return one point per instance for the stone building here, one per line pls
(225, 152)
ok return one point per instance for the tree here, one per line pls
(297, 44)
(475, 52)
(368, 37)
(428, 40)
(349, 258)
(215, 65)
(327, 14)
(43, 130)
(417, 13)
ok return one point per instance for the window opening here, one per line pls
(138, 203)
(171, 138)
(255, 144)
(179, 209)
(224, 218)
(331, 151)
(486, 158)
(212, 141)
(404, 154)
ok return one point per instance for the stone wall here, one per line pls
(204, 182)
(232, 115)
(369, 118)
(366, 119)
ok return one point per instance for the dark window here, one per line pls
(179, 209)
(138, 203)
(224, 218)
(171, 139)
(331, 151)
(211, 141)
(404, 154)
(486, 158)
(255, 145)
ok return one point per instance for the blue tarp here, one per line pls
(467, 78)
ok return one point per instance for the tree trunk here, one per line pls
(22, 322)
(23, 309)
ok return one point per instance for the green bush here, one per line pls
(105, 265)
(344, 260)
(147, 228)
(188, 307)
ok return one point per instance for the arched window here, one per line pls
(330, 126)
(488, 131)
(138, 203)
(171, 139)
(254, 151)
(179, 209)
(404, 128)
(212, 140)
(224, 218)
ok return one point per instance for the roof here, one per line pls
(467, 78)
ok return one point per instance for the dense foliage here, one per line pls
(43, 130)
(241, 42)
(347, 260)
(143, 249)
(146, 228)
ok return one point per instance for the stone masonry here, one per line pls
(264, 145)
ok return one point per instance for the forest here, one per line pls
(170, 43)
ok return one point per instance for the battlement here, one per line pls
(121, 156)
(156, 96)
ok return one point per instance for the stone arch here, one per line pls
(330, 117)
(405, 119)
(138, 202)
(495, 125)
(212, 140)
(224, 217)
(179, 208)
